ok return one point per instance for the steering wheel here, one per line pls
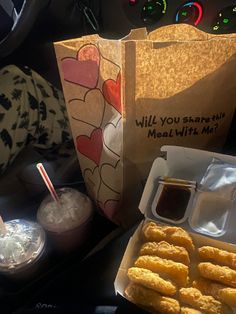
(21, 21)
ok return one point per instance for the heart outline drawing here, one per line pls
(103, 173)
(92, 180)
(76, 107)
(106, 128)
(84, 69)
(109, 208)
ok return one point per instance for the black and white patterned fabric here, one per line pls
(32, 111)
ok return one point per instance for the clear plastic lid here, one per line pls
(215, 199)
(21, 246)
(75, 208)
(220, 177)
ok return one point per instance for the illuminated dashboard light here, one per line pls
(185, 13)
(200, 13)
(225, 20)
(133, 2)
(153, 10)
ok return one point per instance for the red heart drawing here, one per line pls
(112, 92)
(84, 69)
(109, 208)
(91, 147)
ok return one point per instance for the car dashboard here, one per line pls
(211, 16)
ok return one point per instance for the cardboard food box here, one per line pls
(185, 164)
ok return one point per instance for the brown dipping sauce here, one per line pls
(173, 202)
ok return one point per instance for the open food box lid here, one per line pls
(185, 164)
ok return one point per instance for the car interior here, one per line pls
(28, 29)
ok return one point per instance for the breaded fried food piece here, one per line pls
(220, 292)
(173, 235)
(151, 280)
(218, 256)
(176, 272)
(207, 304)
(152, 299)
(188, 310)
(222, 274)
(166, 250)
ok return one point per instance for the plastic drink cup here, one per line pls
(68, 221)
(22, 247)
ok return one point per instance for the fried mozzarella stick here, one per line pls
(222, 293)
(207, 304)
(218, 256)
(152, 299)
(166, 250)
(176, 272)
(151, 280)
(188, 310)
(222, 274)
(173, 235)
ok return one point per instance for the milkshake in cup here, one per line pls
(67, 221)
(22, 246)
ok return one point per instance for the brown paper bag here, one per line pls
(126, 98)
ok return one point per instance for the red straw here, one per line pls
(48, 182)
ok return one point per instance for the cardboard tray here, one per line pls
(183, 163)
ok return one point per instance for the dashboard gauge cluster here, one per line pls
(190, 13)
(212, 16)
